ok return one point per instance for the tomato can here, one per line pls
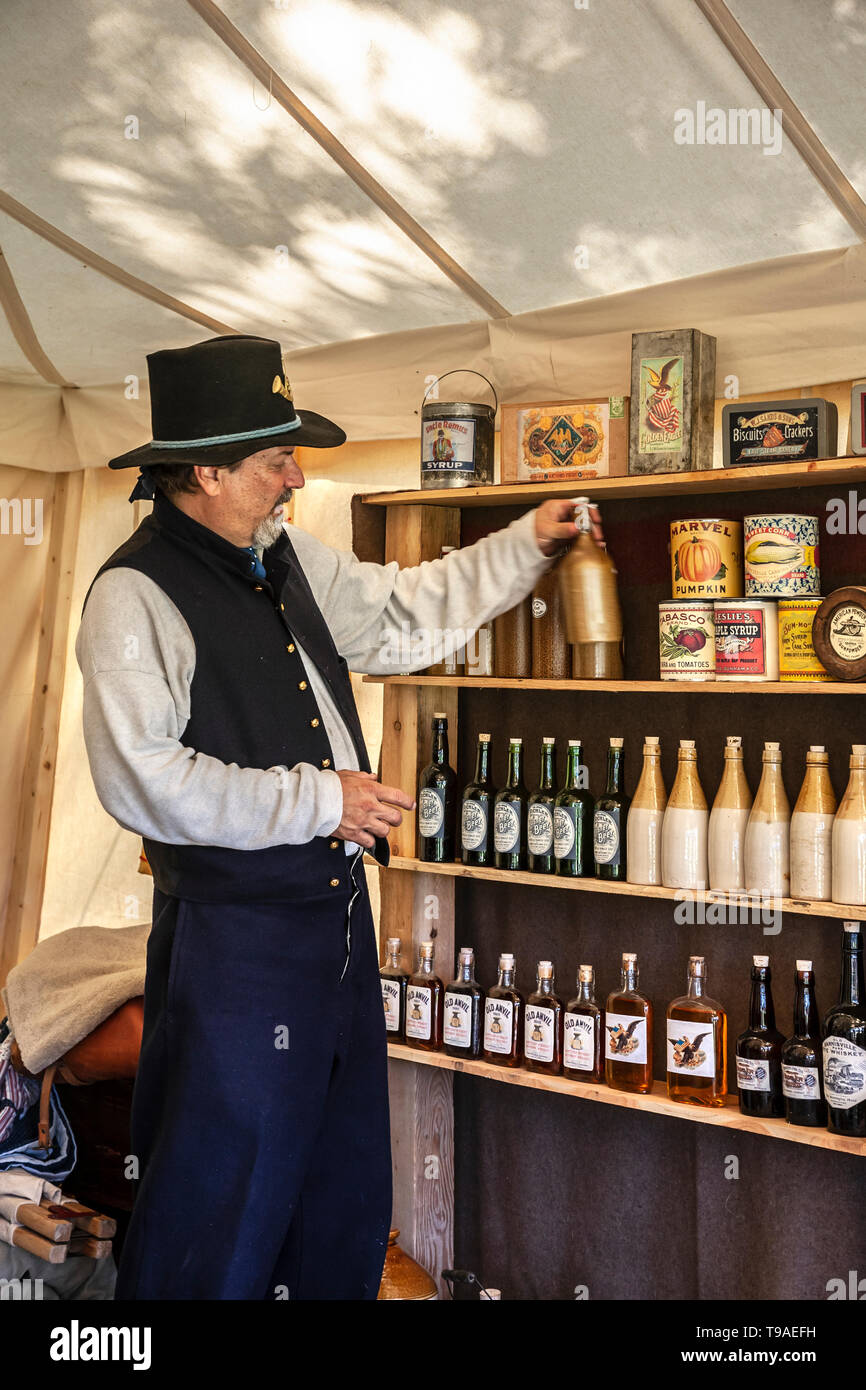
(687, 649)
(707, 558)
(747, 639)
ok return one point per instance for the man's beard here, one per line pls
(270, 529)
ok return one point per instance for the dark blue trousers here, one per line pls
(260, 1110)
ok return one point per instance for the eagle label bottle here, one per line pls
(697, 1032)
(628, 1026)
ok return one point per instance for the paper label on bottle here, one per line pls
(753, 1074)
(538, 1033)
(801, 1083)
(539, 828)
(564, 839)
(391, 1001)
(498, 1024)
(457, 1028)
(605, 837)
(578, 1053)
(844, 1073)
(691, 1047)
(473, 825)
(625, 1037)
(418, 999)
(431, 812)
(506, 827)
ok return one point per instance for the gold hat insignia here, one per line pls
(280, 385)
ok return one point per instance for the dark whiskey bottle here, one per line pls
(845, 1043)
(509, 814)
(628, 1027)
(802, 1085)
(583, 1026)
(759, 1050)
(437, 798)
(572, 821)
(464, 1009)
(539, 815)
(542, 1024)
(393, 979)
(476, 818)
(503, 1018)
(425, 999)
(609, 819)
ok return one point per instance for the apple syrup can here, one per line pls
(706, 558)
(747, 640)
(687, 647)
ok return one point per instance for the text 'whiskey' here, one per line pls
(697, 1036)
(464, 1009)
(425, 998)
(393, 979)
(583, 1025)
(503, 1017)
(802, 1085)
(437, 798)
(628, 1027)
(845, 1043)
(476, 819)
(542, 1027)
(759, 1049)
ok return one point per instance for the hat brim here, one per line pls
(315, 432)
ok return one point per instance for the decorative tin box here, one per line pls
(556, 441)
(673, 378)
(779, 431)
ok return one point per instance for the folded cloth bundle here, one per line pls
(19, 1123)
(69, 984)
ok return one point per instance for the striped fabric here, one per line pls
(19, 1118)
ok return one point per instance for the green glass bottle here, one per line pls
(539, 815)
(437, 797)
(509, 814)
(476, 819)
(609, 819)
(572, 821)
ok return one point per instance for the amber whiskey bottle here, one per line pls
(628, 1027)
(759, 1049)
(503, 1018)
(583, 1026)
(539, 815)
(802, 1086)
(697, 1039)
(542, 1024)
(393, 980)
(425, 999)
(437, 800)
(464, 1009)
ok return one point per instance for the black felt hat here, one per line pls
(221, 400)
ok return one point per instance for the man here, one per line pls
(220, 726)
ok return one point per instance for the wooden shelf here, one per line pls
(656, 1103)
(802, 906)
(817, 473)
(632, 687)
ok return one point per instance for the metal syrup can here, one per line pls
(781, 554)
(706, 558)
(687, 649)
(798, 660)
(747, 640)
(457, 439)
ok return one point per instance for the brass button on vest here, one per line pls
(314, 723)
(335, 883)
(302, 685)
(290, 647)
(326, 762)
(335, 844)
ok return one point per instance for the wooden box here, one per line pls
(673, 379)
(557, 441)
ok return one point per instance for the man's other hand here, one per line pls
(369, 808)
(555, 528)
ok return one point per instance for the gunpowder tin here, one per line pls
(687, 648)
(839, 633)
(747, 640)
(781, 554)
(706, 558)
(798, 660)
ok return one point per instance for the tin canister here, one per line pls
(797, 658)
(687, 650)
(706, 558)
(457, 441)
(747, 639)
(781, 556)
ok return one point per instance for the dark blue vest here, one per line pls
(250, 699)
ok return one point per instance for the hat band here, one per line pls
(227, 438)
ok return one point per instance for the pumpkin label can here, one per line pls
(747, 640)
(687, 650)
(707, 558)
(782, 556)
(798, 660)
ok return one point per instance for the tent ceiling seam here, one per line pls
(385, 201)
(22, 327)
(800, 133)
(94, 261)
